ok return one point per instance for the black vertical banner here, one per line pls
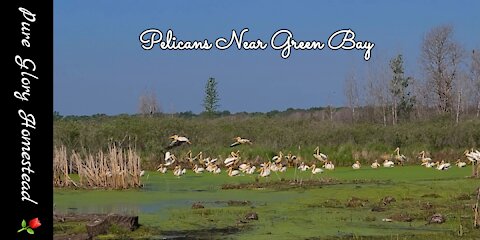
(29, 100)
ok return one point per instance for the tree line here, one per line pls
(449, 87)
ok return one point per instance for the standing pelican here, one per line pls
(423, 158)
(319, 156)
(239, 140)
(400, 159)
(177, 141)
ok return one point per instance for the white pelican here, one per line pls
(303, 167)
(234, 157)
(429, 164)
(473, 156)
(178, 171)
(239, 140)
(316, 170)
(319, 156)
(460, 164)
(250, 170)
(282, 168)
(329, 165)
(443, 165)
(388, 163)
(274, 167)
(197, 169)
(375, 164)
(290, 158)
(423, 158)
(356, 165)
(177, 141)
(217, 170)
(278, 158)
(232, 172)
(244, 167)
(162, 169)
(265, 170)
(400, 159)
(169, 159)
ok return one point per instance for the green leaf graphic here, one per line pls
(29, 230)
(24, 223)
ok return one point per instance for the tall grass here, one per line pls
(343, 142)
(118, 168)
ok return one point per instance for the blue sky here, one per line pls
(100, 67)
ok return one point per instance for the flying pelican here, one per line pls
(356, 165)
(177, 141)
(400, 159)
(316, 170)
(329, 165)
(239, 140)
(388, 163)
(375, 164)
(460, 164)
(319, 156)
(232, 172)
(162, 169)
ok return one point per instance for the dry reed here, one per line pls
(116, 169)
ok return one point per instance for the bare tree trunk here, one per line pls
(384, 115)
(458, 105)
(478, 109)
(476, 213)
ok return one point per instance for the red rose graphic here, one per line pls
(34, 223)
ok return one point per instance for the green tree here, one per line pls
(210, 102)
(403, 100)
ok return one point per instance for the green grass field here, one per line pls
(289, 211)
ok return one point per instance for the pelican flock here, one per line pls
(279, 163)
